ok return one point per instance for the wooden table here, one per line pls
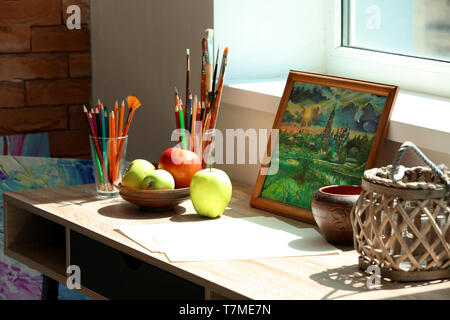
(50, 229)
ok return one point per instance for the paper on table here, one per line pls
(229, 239)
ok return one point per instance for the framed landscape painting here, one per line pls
(331, 130)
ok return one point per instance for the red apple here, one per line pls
(182, 164)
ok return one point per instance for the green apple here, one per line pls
(158, 180)
(136, 172)
(210, 192)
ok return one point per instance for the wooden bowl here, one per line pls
(154, 198)
(331, 207)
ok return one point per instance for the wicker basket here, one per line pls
(401, 220)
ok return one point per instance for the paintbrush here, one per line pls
(218, 95)
(203, 74)
(188, 77)
(209, 61)
(133, 105)
(213, 90)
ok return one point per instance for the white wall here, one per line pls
(269, 38)
(139, 47)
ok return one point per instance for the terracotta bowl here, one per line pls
(331, 207)
(154, 198)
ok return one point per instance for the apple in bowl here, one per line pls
(144, 185)
(182, 164)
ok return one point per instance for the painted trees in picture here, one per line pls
(326, 136)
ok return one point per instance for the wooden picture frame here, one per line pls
(341, 142)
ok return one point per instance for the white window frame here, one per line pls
(409, 73)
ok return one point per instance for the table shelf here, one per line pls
(41, 242)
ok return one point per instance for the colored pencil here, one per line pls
(97, 155)
(106, 115)
(94, 121)
(198, 127)
(121, 115)
(113, 147)
(99, 165)
(109, 151)
(91, 127)
(177, 118)
(116, 118)
(97, 120)
(193, 121)
(181, 117)
(189, 113)
(101, 113)
(105, 140)
(101, 120)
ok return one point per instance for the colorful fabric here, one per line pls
(18, 281)
(33, 145)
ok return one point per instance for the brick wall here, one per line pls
(45, 73)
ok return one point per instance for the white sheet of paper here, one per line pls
(229, 239)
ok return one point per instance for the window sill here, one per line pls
(422, 119)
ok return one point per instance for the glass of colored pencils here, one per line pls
(108, 140)
(108, 163)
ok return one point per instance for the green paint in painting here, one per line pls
(326, 136)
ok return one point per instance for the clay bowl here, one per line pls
(331, 207)
(154, 198)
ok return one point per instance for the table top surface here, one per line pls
(316, 277)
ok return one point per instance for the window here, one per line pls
(399, 42)
(417, 28)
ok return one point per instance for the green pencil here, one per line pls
(95, 154)
(181, 116)
(99, 168)
(104, 142)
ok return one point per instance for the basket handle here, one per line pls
(397, 171)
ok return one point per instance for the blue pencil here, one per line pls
(107, 121)
(102, 120)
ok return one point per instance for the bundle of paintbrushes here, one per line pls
(108, 138)
(198, 116)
